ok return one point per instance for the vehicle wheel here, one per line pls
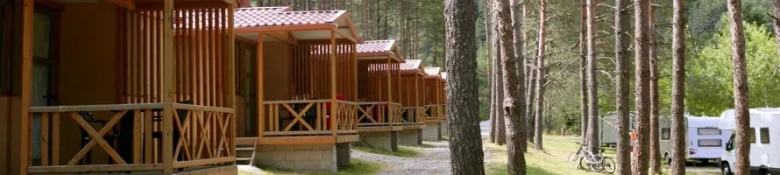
(608, 164)
(724, 168)
(668, 158)
(763, 172)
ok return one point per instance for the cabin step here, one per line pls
(245, 149)
(244, 159)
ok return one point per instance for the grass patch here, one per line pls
(402, 151)
(358, 167)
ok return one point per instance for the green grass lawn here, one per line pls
(403, 151)
(552, 161)
(358, 167)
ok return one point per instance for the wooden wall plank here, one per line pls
(168, 86)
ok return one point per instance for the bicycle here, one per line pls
(596, 162)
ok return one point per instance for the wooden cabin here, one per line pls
(378, 89)
(434, 99)
(412, 92)
(296, 85)
(140, 86)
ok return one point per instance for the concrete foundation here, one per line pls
(432, 132)
(410, 137)
(302, 157)
(385, 140)
(444, 131)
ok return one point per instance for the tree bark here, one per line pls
(655, 152)
(517, 25)
(540, 79)
(498, 85)
(740, 85)
(623, 64)
(512, 99)
(465, 139)
(641, 148)
(678, 88)
(593, 103)
(583, 74)
(776, 22)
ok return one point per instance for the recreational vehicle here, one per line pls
(705, 140)
(763, 138)
(608, 126)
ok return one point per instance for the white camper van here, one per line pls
(705, 140)
(763, 137)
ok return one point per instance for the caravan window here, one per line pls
(709, 131)
(710, 142)
(764, 135)
(752, 135)
(665, 133)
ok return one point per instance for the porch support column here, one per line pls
(169, 88)
(20, 149)
(333, 105)
(417, 97)
(260, 85)
(389, 93)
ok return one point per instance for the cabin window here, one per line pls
(708, 131)
(710, 142)
(764, 135)
(665, 133)
(752, 135)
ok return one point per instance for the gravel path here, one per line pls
(434, 158)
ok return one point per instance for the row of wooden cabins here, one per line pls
(199, 86)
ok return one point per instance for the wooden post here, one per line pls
(20, 150)
(389, 91)
(168, 87)
(260, 86)
(231, 74)
(333, 106)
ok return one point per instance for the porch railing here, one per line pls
(379, 114)
(412, 115)
(434, 112)
(308, 118)
(132, 137)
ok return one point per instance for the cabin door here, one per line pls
(42, 74)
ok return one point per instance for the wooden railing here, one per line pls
(132, 137)
(308, 118)
(412, 115)
(379, 114)
(434, 112)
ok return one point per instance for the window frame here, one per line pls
(666, 133)
(752, 135)
(720, 143)
(762, 134)
(699, 131)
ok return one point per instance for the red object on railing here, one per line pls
(327, 105)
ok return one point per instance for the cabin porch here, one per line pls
(411, 92)
(299, 87)
(95, 87)
(434, 104)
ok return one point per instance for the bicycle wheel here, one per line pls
(608, 164)
(572, 160)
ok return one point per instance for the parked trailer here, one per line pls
(608, 128)
(705, 141)
(763, 137)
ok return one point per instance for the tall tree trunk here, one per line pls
(498, 84)
(540, 73)
(740, 85)
(529, 106)
(512, 88)
(490, 74)
(583, 72)
(623, 65)
(465, 139)
(655, 152)
(517, 25)
(678, 88)
(641, 148)
(593, 103)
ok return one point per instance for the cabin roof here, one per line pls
(413, 64)
(378, 50)
(301, 25)
(272, 16)
(433, 72)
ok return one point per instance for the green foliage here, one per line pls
(709, 86)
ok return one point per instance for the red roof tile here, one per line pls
(256, 17)
(376, 46)
(411, 64)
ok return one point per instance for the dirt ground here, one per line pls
(433, 159)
